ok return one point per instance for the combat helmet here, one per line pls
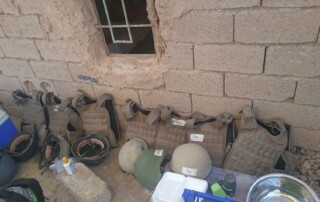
(149, 168)
(130, 153)
(191, 160)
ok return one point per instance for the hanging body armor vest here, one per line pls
(33, 118)
(258, 145)
(214, 134)
(96, 118)
(172, 131)
(28, 113)
(141, 123)
(63, 118)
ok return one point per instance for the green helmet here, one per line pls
(130, 153)
(191, 160)
(148, 170)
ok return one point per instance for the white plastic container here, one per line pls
(171, 186)
(195, 185)
(68, 166)
(7, 129)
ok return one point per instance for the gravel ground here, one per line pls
(308, 169)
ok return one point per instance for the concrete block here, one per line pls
(27, 26)
(216, 105)
(15, 67)
(217, 4)
(19, 48)
(9, 83)
(293, 60)
(120, 95)
(70, 89)
(308, 92)
(277, 26)
(259, 87)
(301, 116)
(32, 6)
(178, 56)
(58, 50)
(129, 78)
(229, 58)
(78, 183)
(76, 69)
(308, 139)
(178, 101)
(30, 84)
(1, 32)
(197, 82)
(290, 3)
(7, 7)
(51, 70)
(168, 9)
(201, 26)
(1, 53)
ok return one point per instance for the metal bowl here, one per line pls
(280, 188)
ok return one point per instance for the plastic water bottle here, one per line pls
(68, 165)
(57, 168)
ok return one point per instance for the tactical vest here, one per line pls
(63, 118)
(141, 123)
(214, 134)
(27, 113)
(258, 146)
(161, 128)
(96, 118)
(172, 131)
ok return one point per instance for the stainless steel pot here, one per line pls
(280, 188)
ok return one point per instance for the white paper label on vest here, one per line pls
(196, 137)
(189, 171)
(158, 152)
(178, 122)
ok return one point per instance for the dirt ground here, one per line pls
(123, 187)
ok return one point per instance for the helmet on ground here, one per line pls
(130, 153)
(22, 147)
(149, 168)
(191, 160)
(90, 150)
(8, 168)
(54, 146)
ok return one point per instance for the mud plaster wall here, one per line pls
(213, 56)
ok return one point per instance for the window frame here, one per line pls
(100, 27)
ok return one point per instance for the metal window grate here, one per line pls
(127, 24)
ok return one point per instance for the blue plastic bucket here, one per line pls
(7, 130)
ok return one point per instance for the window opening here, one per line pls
(125, 26)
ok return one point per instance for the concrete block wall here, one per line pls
(218, 56)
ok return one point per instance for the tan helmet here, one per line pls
(129, 154)
(191, 160)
